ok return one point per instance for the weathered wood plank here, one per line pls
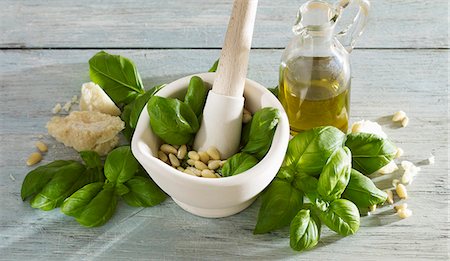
(195, 23)
(32, 81)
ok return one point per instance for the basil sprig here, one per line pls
(318, 166)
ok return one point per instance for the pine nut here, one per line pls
(189, 171)
(42, 147)
(196, 172)
(162, 156)
(174, 160)
(217, 175)
(246, 118)
(193, 155)
(34, 158)
(214, 164)
(182, 151)
(166, 148)
(191, 162)
(180, 169)
(401, 191)
(399, 153)
(372, 208)
(405, 121)
(203, 156)
(200, 165)
(246, 111)
(395, 182)
(405, 213)
(213, 153)
(206, 173)
(398, 116)
(390, 196)
(407, 177)
(401, 207)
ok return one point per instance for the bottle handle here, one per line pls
(347, 37)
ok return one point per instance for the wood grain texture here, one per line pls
(199, 24)
(384, 81)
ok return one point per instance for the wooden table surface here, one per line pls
(401, 63)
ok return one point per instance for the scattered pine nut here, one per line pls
(399, 153)
(200, 165)
(400, 207)
(390, 196)
(42, 147)
(57, 108)
(401, 191)
(407, 177)
(193, 155)
(206, 173)
(34, 158)
(405, 121)
(162, 156)
(398, 116)
(404, 213)
(174, 160)
(213, 153)
(214, 164)
(166, 148)
(182, 151)
(203, 156)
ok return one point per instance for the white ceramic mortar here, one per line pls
(207, 197)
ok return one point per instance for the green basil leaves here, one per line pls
(196, 95)
(369, 151)
(143, 192)
(280, 203)
(172, 120)
(342, 217)
(309, 151)
(117, 75)
(120, 165)
(262, 129)
(361, 191)
(238, 163)
(304, 231)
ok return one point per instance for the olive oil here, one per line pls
(315, 91)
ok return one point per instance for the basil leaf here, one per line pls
(75, 204)
(369, 151)
(309, 151)
(117, 75)
(214, 66)
(342, 217)
(304, 231)
(172, 120)
(196, 95)
(121, 189)
(67, 179)
(91, 159)
(262, 129)
(36, 179)
(280, 203)
(286, 173)
(99, 210)
(305, 182)
(362, 191)
(120, 165)
(238, 163)
(335, 175)
(275, 90)
(245, 133)
(143, 193)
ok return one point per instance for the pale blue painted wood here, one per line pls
(384, 81)
(199, 23)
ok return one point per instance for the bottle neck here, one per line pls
(318, 43)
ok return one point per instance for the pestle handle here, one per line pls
(233, 64)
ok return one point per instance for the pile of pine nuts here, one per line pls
(204, 164)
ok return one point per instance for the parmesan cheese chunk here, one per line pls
(87, 130)
(93, 98)
(368, 127)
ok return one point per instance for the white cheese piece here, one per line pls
(93, 98)
(57, 108)
(87, 130)
(431, 160)
(389, 168)
(67, 106)
(368, 127)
